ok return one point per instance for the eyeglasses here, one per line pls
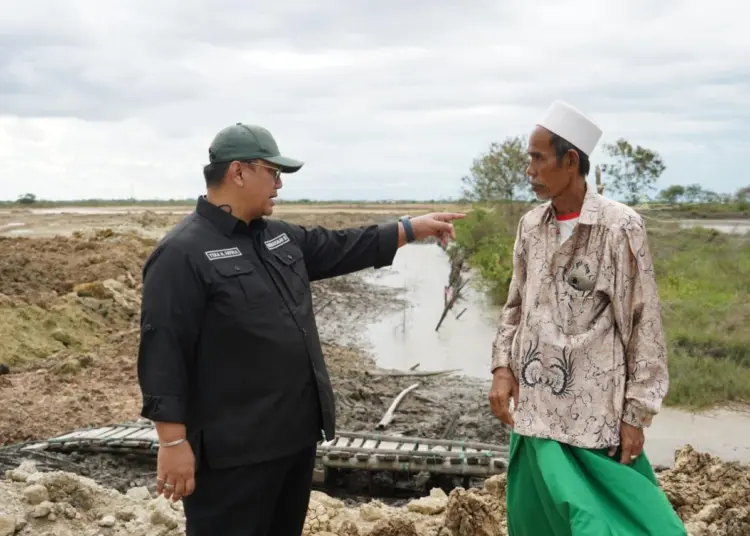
(275, 172)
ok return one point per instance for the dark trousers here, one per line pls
(263, 499)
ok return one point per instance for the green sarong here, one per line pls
(558, 490)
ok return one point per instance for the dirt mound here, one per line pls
(710, 496)
(78, 321)
(35, 268)
(59, 294)
(65, 504)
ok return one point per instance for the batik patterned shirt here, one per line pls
(581, 329)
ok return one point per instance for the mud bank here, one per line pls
(710, 496)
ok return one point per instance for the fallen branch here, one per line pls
(388, 417)
(450, 303)
(400, 374)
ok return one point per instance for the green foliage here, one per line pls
(635, 169)
(26, 199)
(703, 381)
(704, 282)
(672, 194)
(498, 174)
(487, 236)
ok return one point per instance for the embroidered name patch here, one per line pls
(223, 253)
(278, 241)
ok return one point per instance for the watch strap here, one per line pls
(408, 231)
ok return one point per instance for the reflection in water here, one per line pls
(403, 339)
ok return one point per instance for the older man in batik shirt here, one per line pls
(581, 351)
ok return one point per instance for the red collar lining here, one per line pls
(570, 216)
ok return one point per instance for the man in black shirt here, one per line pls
(230, 365)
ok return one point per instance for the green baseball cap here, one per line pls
(249, 142)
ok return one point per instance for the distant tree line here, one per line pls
(678, 194)
(32, 199)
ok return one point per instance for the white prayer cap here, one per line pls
(572, 125)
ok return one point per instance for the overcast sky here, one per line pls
(380, 99)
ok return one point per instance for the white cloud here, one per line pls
(387, 99)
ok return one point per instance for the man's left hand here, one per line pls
(631, 443)
(437, 224)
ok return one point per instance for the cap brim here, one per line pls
(287, 165)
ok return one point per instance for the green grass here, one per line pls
(704, 283)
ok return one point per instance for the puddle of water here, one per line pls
(10, 226)
(403, 339)
(724, 226)
(16, 231)
(723, 433)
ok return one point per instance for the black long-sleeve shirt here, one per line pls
(229, 345)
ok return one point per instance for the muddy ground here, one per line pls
(68, 322)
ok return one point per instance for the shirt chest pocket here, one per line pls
(239, 285)
(581, 295)
(289, 262)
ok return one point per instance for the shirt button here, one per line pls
(289, 257)
(236, 268)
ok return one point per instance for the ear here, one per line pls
(235, 174)
(573, 159)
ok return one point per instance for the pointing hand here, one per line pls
(437, 224)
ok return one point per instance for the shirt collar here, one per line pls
(225, 222)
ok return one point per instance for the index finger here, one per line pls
(448, 216)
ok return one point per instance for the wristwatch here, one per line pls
(408, 231)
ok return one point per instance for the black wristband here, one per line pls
(408, 231)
